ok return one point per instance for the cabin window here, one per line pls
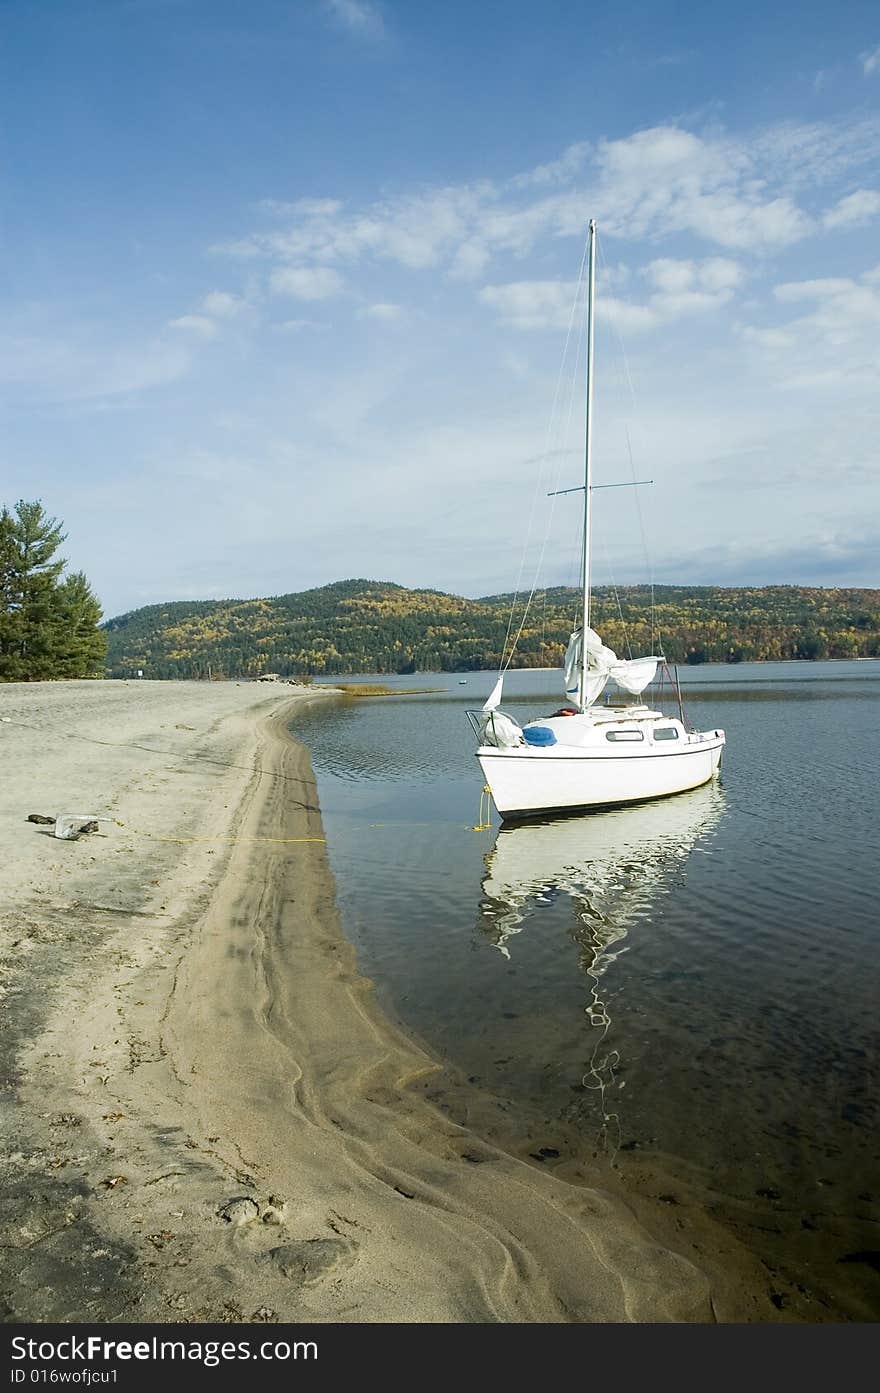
(624, 735)
(666, 733)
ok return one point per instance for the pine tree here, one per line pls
(80, 644)
(48, 627)
(10, 608)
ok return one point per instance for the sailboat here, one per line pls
(586, 756)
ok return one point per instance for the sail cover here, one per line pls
(603, 664)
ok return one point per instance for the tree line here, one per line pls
(372, 626)
(50, 624)
(49, 621)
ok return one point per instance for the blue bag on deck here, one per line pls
(539, 735)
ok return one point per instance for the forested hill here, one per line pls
(374, 626)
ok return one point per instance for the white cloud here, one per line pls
(307, 207)
(221, 305)
(821, 289)
(832, 344)
(768, 338)
(297, 326)
(416, 230)
(736, 193)
(198, 324)
(532, 304)
(560, 171)
(680, 288)
(469, 261)
(626, 317)
(670, 276)
(669, 180)
(870, 61)
(386, 311)
(357, 16)
(716, 275)
(854, 210)
(307, 282)
(76, 363)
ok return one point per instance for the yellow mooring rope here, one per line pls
(485, 810)
(153, 837)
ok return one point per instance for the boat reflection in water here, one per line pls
(613, 866)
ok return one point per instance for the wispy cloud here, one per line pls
(306, 207)
(870, 61)
(307, 282)
(560, 171)
(677, 289)
(532, 304)
(199, 324)
(220, 304)
(359, 17)
(297, 326)
(831, 557)
(385, 311)
(833, 344)
(854, 210)
(76, 363)
(750, 194)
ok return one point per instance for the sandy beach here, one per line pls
(206, 1117)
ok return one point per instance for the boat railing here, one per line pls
(476, 720)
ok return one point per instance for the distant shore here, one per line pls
(213, 1120)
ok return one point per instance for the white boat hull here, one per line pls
(526, 781)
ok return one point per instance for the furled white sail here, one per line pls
(599, 660)
(634, 676)
(603, 663)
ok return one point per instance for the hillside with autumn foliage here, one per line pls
(373, 626)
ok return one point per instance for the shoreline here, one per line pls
(208, 1118)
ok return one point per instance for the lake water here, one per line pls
(688, 988)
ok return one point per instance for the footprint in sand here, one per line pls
(308, 1260)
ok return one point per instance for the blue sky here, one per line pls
(289, 290)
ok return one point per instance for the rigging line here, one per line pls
(655, 635)
(505, 664)
(577, 294)
(616, 593)
(578, 550)
(539, 565)
(649, 560)
(540, 562)
(553, 427)
(618, 335)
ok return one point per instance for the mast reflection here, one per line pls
(613, 866)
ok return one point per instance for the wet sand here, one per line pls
(206, 1117)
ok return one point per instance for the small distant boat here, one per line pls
(462, 681)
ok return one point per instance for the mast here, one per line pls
(588, 461)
